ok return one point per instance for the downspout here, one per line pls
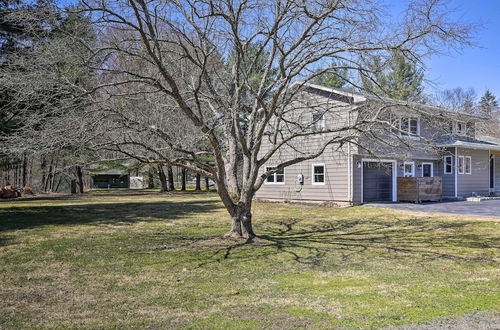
(456, 172)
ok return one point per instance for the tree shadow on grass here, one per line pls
(421, 238)
(107, 213)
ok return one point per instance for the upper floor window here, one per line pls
(461, 128)
(405, 126)
(318, 121)
(410, 126)
(448, 165)
(318, 174)
(276, 177)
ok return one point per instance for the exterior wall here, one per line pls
(497, 174)
(448, 179)
(336, 160)
(478, 180)
(357, 175)
(342, 169)
(336, 179)
(356, 179)
(391, 145)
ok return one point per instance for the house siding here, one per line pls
(478, 180)
(448, 179)
(497, 173)
(336, 179)
(335, 159)
(343, 177)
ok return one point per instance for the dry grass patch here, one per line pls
(110, 260)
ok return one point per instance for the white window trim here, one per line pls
(432, 168)
(321, 122)
(464, 131)
(312, 175)
(451, 164)
(412, 168)
(470, 165)
(461, 160)
(274, 175)
(400, 128)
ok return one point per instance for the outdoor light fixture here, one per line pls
(419, 166)
(358, 164)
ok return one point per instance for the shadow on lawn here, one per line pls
(109, 213)
(423, 238)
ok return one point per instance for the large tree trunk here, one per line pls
(198, 182)
(25, 170)
(241, 221)
(48, 179)
(79, 176)
(207, 184)
(183, 179)
(151, 182)
(43, 167)
(163, 179)
(170, 174)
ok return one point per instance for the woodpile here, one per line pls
(9, 192)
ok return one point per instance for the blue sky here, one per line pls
(477, 67)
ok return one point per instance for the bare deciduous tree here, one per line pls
(234, 73)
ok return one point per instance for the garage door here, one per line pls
(377, 182)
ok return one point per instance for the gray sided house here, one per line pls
(406, 143)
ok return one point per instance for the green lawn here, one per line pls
(133, 260)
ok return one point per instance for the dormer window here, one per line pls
(461, 128)
(451, 128)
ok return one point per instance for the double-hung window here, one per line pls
(461, 164)
(468, 165)
(277, 177)
(409, 169)
(410, 126)
(448, 164)
(318, 174)
(461, 128)
(395, 122)
(318, 122)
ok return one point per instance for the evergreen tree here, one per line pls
(335, 76)
(399, 79)
(488, 104)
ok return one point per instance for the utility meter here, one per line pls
(300, 178)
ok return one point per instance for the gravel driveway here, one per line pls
(489, 208)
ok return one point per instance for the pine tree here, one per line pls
(488, 104)
(399, 79)
(335, 76)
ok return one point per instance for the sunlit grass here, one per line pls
(137, 259)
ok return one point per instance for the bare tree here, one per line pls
(234, 72)
(195, 55)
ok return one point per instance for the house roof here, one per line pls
(359, 97)
(484, 143)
